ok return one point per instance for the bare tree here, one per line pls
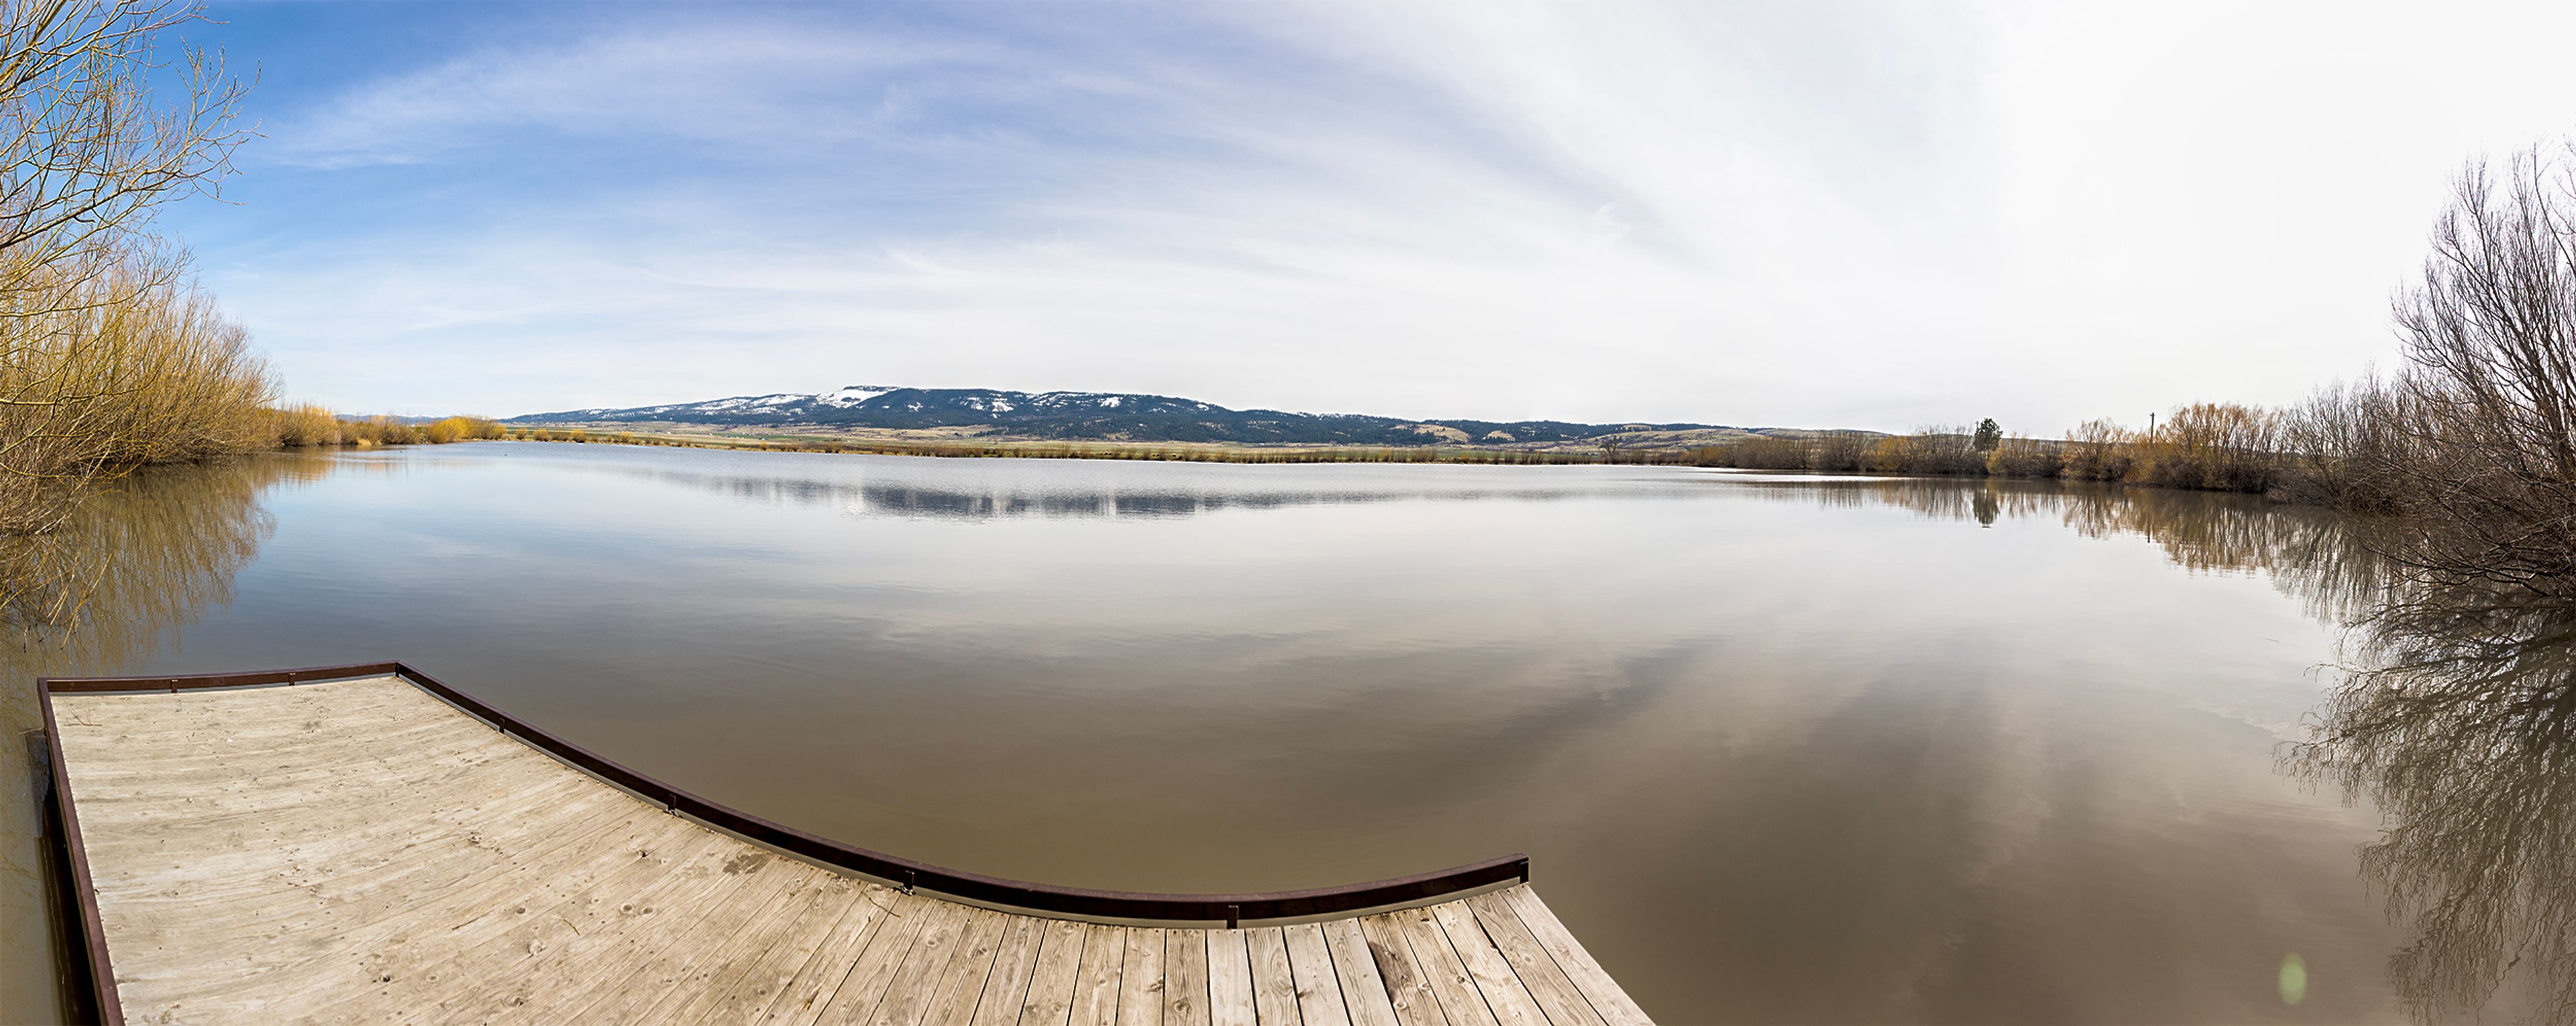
(108, 354)
(2490, 390)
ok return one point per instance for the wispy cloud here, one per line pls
(1874, 215)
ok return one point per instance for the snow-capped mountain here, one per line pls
(1078, 415)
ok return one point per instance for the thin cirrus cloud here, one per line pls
(708, 84)
(1819, 214)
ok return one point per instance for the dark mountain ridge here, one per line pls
(1088, 416)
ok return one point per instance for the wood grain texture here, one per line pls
(1095, 992)
(1442, 972)
(1185, 978)
(1364, 991)
(1319, 989)
(1059, 964)
(1406, 986)
(361, 850)
(1608, 998)
(1531, 964)
(1274, 986)
(1230, 1000)
(1492, 973)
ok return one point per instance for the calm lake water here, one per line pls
(1780, 749)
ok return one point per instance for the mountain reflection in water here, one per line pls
(2452, 720)
(924, 500)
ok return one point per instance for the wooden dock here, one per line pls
(313, 845)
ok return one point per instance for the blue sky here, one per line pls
(1825, 214)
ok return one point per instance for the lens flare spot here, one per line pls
(2294, 979)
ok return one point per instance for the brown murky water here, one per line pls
(1781, 750)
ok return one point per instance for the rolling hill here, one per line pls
(1106, 416)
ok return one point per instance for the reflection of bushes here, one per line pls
(141, 552)
(2460, 727)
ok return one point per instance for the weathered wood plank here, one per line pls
(758, 962)
(1230, 1001)
(1607, 997)
(549, 959)
(1446, 977)
(961, 991)
(376, 953)
(1049, 1000)
(685, 963)
(219, 818)
(1104, 958)
(1014, 963)
(1185, 978)
(1407, 989)
(1319, 990)
(406, 927)
(802, 997)
(865, 985)
(1531, 964)
(1140, 986)
(257, 887)
(1274, 984)
(143, 728)
(609, 933)
(1503, 992)
(908, 995)
(1364, 992)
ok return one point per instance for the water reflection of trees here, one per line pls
(135, 558)
(138, 554)
(2458, 721)
(2327, 560)
(2455, 716)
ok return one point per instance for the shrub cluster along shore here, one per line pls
(2334, 449)
(307, 424)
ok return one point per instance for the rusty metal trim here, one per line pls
(1230, 909)
(192, 682)
(102, 974)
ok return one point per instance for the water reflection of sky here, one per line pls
(1859, 749)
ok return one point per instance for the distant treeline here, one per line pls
(310, 425)
(2334, 449)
